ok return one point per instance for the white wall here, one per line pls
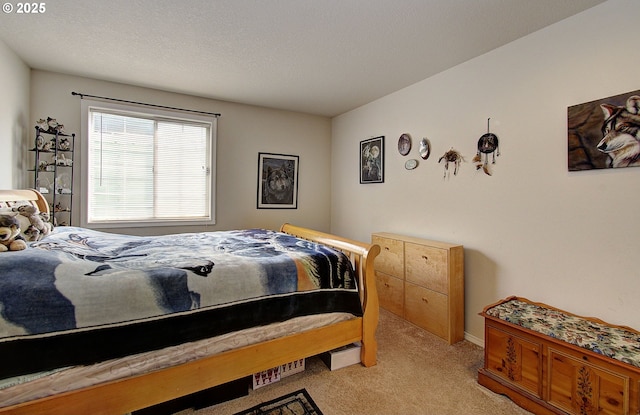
(243, 131)
(533, 229)
(14, 116)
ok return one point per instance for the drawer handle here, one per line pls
(386, 248)
(425, 300)
(386, 284)
(426, 258)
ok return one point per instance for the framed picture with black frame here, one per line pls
(277, 181)
(372, 160)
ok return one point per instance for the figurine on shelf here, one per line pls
(42, 124)
(43, 184)
(64, 144)
(63, 184)
(47, 146)
(61, 160)
(40, 142)
(52, 123)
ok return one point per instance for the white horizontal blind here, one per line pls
(181, 148)
(147, 168)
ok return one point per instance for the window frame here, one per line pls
(133, 110)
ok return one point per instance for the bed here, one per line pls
(305, 306)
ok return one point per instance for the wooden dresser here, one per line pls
(423, 282)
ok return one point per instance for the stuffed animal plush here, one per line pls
(31, 213)
(10, 239)
(31, 234)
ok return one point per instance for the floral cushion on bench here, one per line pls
(614, 342)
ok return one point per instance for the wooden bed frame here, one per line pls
(133, 393)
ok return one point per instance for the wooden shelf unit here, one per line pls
(422, 281)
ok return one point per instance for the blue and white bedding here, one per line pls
(81, 296)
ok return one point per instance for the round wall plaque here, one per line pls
(425, 148)
(404, 144)
(411, 164)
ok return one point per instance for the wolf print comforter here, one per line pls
(81, 296)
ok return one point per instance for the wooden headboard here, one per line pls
(30, 195)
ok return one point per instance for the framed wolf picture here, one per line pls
(372, 160)
(277, 181)
(605, 133)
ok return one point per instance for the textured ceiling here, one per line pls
(321, 57)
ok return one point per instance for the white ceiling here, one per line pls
(321, 57)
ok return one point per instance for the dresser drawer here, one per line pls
(427, 266)
(427, 309)
(391, 257)
(390, 293)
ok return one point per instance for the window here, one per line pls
(146, 167)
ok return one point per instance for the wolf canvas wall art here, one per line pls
(605, 133)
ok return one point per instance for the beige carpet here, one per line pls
(417, 373)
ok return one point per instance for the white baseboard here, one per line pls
(474, 339)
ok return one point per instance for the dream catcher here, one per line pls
(487, 145)
(451, 156)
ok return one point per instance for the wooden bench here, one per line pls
(549, 361)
